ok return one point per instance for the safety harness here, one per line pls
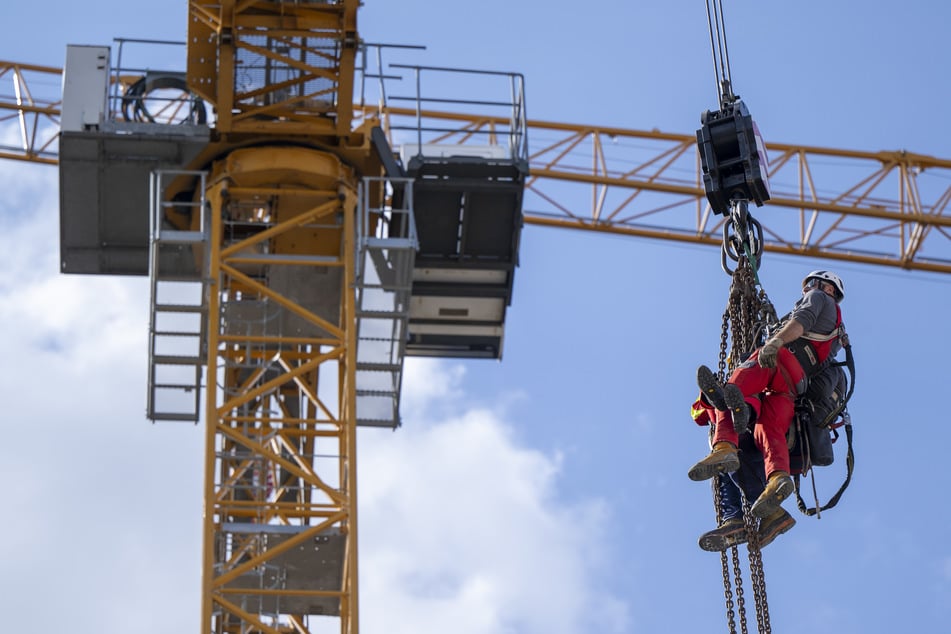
(838, 416)
(812, 349)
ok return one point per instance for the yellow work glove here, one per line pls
(769, 351)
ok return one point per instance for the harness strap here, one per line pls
(850, 465)
(815, 336)
(850, 454)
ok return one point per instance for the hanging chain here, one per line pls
(724, 564)
(738, 580)
(757, 574)
(746, 318)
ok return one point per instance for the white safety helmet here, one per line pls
(832, 278)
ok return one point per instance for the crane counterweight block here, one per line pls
(733, 157)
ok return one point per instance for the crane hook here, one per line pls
(742, 237)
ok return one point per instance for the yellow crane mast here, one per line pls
(279, 242)
(280, 519)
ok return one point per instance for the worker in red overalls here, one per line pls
(764, 389)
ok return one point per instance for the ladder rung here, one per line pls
(378, 367)
(388, 314)
(187, 387)
(389, 393)
(192, 278)
(391, 244)
(191, 418)
(179, 308)
(180, 237)
(377, 422)
(176, 359)
(176, 333)
(377, 339)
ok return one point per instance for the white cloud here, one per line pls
(463, 529)
(103, 518)
(428, 384)
(83, 323)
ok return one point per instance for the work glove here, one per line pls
(769, 352)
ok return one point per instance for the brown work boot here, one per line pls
(723, 459)
(729, 533)
(779, 487)
(773, 526)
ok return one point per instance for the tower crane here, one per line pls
(300, 243)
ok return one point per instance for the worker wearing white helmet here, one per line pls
(826, 277)
(764, 389)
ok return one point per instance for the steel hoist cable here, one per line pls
(721, 53)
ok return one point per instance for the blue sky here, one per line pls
(548, 492)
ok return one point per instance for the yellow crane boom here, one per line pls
(887, 208)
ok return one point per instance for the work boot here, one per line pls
(710, 387)
(773, 526)
(779, 487)
(726, 398)
(729, 533)
(723, 459)
(736, 404)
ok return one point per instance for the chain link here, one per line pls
(738, 580)
(757, 574)
(724, 564)
(746, 319)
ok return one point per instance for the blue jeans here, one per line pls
(749, 479)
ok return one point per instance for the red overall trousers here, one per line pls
(771, 392)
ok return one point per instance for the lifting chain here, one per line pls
(725, 566)
(745, 320)
(757, 575)
(748, 314)
(738, 578)
(737, 575)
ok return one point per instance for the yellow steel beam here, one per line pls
(270, 69)
(882, 208)
(30, 99)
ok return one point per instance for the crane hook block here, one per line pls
(733, 157)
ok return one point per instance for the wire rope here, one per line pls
(716, 25)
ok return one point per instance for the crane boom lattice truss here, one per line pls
(882, 208)
(886, 208)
